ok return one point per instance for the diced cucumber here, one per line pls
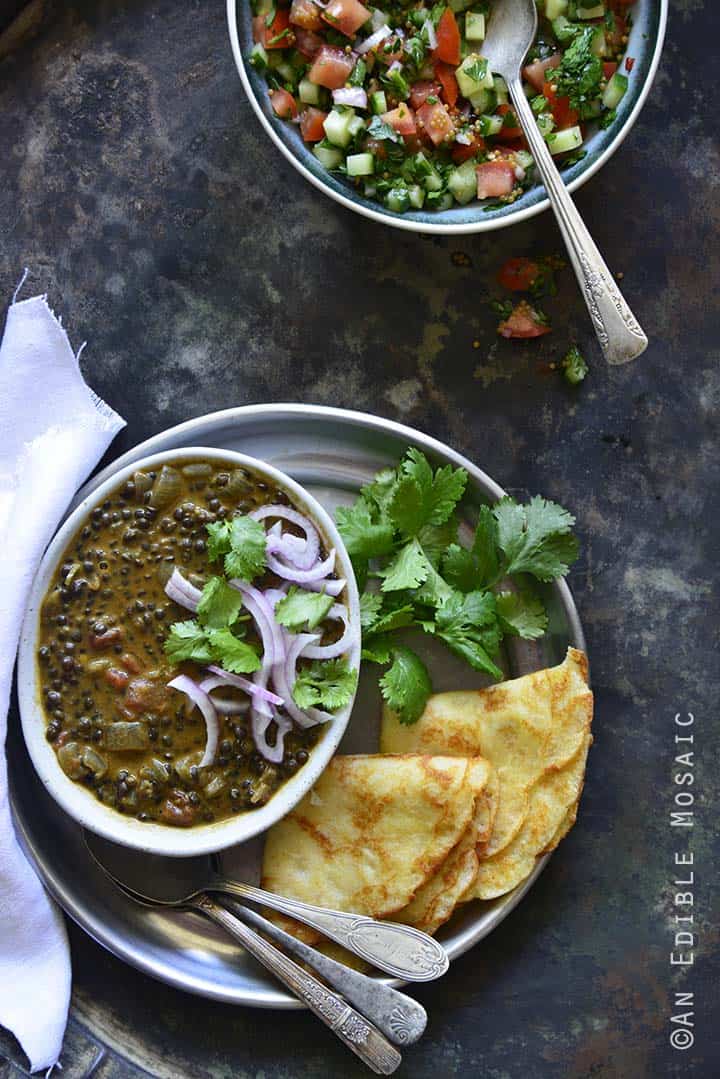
(462, 182)
(524, 159)
(615, 91)
(360, 164)
(286, 71)
(356, 125)
(433, 180)
(369, 190)
(559, 142)
(378, 102)
(501, 90)
(598, 45)
(474, 74)
(563, 29)
(490, 125)
(597, 11)
(474, 26)
(417, 196)
(444, 202)
(546, 123)
(553, 8)
(420, 164)
(338, 127)
(329, 159)
(398, 200)
(258, 57)
(308, 92)
(483, 101)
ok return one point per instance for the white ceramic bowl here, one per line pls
(81, 803)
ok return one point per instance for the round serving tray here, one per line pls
(332, 452)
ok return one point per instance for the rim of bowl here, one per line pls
(411, 225)
(80, 803)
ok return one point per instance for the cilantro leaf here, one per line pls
(379, 129)
(477, 567)
(422, 497)
(434, 589)
(218, 541)
(232, 654)
(325, 683)
(536, 538)
(580, 71)
(379, 492)
(408, 569)
(435, 539)
(187, 640)
(246, 557)
(408, 506)
(364, 536)
(521, 614)
(460, 568)
(370, 604)
(468, 625)
(219, 604)
(300, 608)
(406, 685)
(398, 618)
(377, 648)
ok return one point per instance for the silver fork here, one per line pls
(511, 31)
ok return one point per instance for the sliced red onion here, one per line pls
(303, 556)
(394, 66)
(253, 688)
(463, 138)
(224, 705)
(354, 96)
(430, 34)
(284, 675)
(202, 701)
(260, 724)
(179, 589)
(379, 18)
(301, 576)
(263, 615)
(330, 651)
(374, 40)
(332, 587)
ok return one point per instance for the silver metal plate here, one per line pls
(332, 452)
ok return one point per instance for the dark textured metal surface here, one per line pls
(203, 272)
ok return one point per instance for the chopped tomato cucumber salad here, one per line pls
(400, 100)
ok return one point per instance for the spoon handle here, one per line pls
(618, 331)
(397, 949)
(398, 1016)
(349, 1025)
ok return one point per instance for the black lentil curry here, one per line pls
(113, 722)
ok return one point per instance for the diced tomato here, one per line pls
(283, 104)
(402, 119)
(311, 124)
(389, 50)
(609, 70)
(563, 112)
(629, 63)
(518, 274)
(523, 322)
(331, 68)
(278, 34)
(306, 14)
(421, 91)
(308, 42)
(145, 695)
(461, 152)
(495, 178)
(535, 73)
(446, 77)
(346, 16)
(511, 132)
(448, 39)
(436, 122)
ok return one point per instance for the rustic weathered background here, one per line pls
(204, 272)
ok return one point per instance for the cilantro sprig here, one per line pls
(402, 537)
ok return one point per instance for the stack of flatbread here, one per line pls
(455, 807)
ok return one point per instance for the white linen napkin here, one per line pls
(53, 431)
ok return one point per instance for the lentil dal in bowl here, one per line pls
(178, 617)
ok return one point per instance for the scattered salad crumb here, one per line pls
(574, 366)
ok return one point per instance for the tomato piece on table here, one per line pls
(331, 67)
(402, 119)
(495, 179)
(462, 152)
(283, 104)
(563, 112)
(523, 322)
(306, 14)
(535, 73)
(509, 131)
(448, 39)
(518, 274)
(311, 124)
(346, 16)
(307, 42)
(445, 74)
(436, 122)
(421, 91)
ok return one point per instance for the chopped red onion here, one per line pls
(224, 705)
(332, 587)
(463, 138)
(304, 554)
(379, 18)
(301, 576)
(260, 724)
(284, 675)
(253, 688)
(263, 615)
(330, 651)
(354, 96)
(202, 701)
(179, 589)
(394, 66)
(374, 40)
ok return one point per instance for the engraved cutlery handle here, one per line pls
(398, 1016)
(397, 949)
(621, 337)
(351, 1028)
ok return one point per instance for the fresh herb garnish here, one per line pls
(302, 610)
(580, 71)
(191, 641)
(325, 684)
(574, 365)
(241, 542)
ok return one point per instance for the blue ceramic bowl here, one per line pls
(646, 41)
